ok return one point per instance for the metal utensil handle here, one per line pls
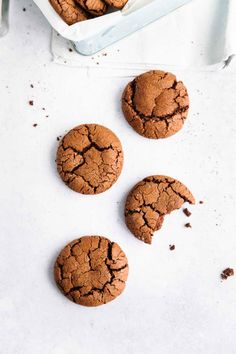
(4, 16)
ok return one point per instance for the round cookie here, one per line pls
(150, 200)
(155, 104)
(94, 7)
(118, 4)
(91, 271)
(89, 158)
(69, 11)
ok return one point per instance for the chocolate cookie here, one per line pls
(150, 200)
(155, 104)
(118, 4)
(94, 7)
(91, 271)
(89, 158)
(69, 11)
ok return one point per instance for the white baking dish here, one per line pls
(93, 35)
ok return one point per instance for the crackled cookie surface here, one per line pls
(89, 158)
(95, 7)
(69, 11)
(155, 104)
(118, 4)
(91, 271)
(150, 200)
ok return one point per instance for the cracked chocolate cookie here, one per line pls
(118, 4)
(91, 271)
(89, 159)
(155, 104)
(94, 7)
(150, 200)
(69, 11)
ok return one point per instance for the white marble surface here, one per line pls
(175, 302)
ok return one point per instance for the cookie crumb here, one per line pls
(43, 109)
(70, 50)
(58, 138)
(228, 272)
(24, 9)
(35, 125)
(171, 247)
(47, 116)
(31, 85)
(188, 224)
(104, 54)
(187, 212)
(31, 102)
(201, 202)
(97, 63)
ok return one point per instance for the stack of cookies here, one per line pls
(72, 11)
(92, 270)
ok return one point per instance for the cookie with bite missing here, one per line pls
(150, 201)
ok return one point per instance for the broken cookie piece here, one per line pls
(91, 270)
(89, 159)
(94, 7)
(155, 104)
(228, 272)
(150, 200)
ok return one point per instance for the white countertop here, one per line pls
(174, 302)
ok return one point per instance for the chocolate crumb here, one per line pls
(187, 212)
(228, 272)
(171, 247)
(104, 54)
(47, 116)
(188, 224)
(24, 9)
(43, 109)
(70, 50)
(201, 202)
(97, 63)
(31, 85)
(35, 125)
(31, 102)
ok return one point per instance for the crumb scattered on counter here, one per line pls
(188, 225)
(35, 125)
(47, 116)
(31, 102)
(24, 9)
(228, 272)
(43, 109)
(172, 247)
(31, 85)
(58, 138)
(187, 212)
(70, 50)
(104, 54)
(201, 202)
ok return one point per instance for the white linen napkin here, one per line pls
(200, 35)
